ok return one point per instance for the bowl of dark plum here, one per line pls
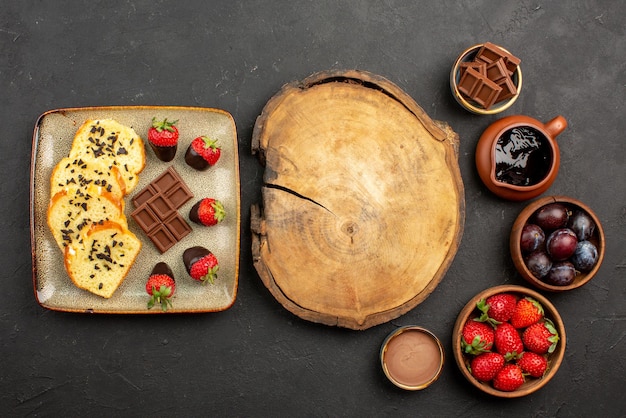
(557, 243)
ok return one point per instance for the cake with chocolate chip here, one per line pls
(76, 172)
(100, 263)
(116, 144)
(86, 210)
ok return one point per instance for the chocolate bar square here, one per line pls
(489, 53)
(508, 89)
(178, 195)
(162, 238)
(165, 181)
(497, 70)
(480, 67)
(470, 82)
(142, 196)
(178, 227)
(487, 93)
(161, 206)
(512, 62)
(145, 218)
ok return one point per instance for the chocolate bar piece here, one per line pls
(508, 89)
(470, 82)
(512, 63)
(169, 232)
(486, 93)
(489, 53)
(480, 67)
(497, 70)
(168, 184)
(157, 207)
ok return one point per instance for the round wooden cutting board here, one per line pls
(363, 202)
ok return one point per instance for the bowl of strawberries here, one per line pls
(508, 341)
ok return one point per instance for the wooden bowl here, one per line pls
(455, 76)
(518, 258)
(532, 384)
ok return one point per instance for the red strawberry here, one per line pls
(533, 364)
(207, 212)
(201, 264)
(161, 286)
(202, 153)
(497, 308)
(541, 338)
(509, 378)
(527, 312)
(508, 341)
(477, 337)
(163, 138)
(485, 366)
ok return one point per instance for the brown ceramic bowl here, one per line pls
(509, 130)
(455, 77)
(531, 384)
(518, 258)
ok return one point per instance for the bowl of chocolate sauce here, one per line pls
(517, 157)
(412, 357)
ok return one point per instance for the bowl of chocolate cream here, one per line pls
(412, 357)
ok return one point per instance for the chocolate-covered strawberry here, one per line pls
(207, 212)
(201, 264)
(163, 139)
(202, 153)
(161, 286)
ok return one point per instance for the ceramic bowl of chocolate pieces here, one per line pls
(557, 243)
(486, 79)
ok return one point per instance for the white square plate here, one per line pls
(52, 140)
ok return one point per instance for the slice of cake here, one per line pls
(101, 262)
(115, 144)
(75, 209)
(70, 172)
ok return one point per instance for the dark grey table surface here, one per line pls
(257, 359)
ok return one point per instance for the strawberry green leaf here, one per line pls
(209, 143)
(163, 125)
(210, 275)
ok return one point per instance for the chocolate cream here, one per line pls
(413, 358)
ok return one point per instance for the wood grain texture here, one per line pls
(363, 202)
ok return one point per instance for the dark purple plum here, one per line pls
(585, 256)
(532, 238)
(539, 263)
(582, 225)
(562, 273)
(561, 244)
(552, 216)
